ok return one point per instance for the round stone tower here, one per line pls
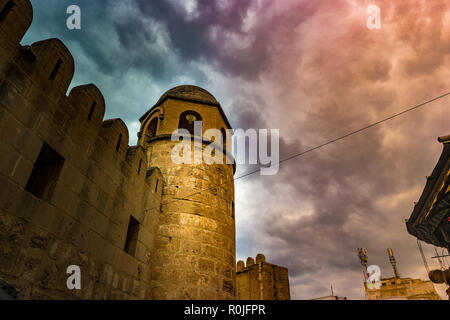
(194, 250)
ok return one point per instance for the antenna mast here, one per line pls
(393, 262)
(362, 255)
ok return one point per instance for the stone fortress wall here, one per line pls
(69, 181)
(73, 192)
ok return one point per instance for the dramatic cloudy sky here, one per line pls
(312, 69)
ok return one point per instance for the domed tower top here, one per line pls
(189, 93)
(177, 104)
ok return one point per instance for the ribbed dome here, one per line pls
(190, 93)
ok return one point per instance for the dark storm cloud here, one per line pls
(351, 193)
(356, 192)
(192, 38)
(113, 36)
(217, 32)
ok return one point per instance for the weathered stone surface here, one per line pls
(261, 280)
(196, 228)
(180, 242)
(84, 221)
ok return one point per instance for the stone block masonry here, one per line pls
(73, 192)
(69, 181)
(262, 280)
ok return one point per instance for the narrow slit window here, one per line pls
(6, 10)
(118, 142)
(156, 185)
(45, 173)
(132, 236)
(55, 70)
(224, 138)
(140, 165)
(91, 112)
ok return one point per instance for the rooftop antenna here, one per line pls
(363, 258)
(393, 262)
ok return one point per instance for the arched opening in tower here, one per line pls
(187, 119)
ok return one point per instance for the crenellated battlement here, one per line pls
(90, 103)
(15, 19)
(69, 179)
(53, 69)
(38, 77)
(261, 280)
